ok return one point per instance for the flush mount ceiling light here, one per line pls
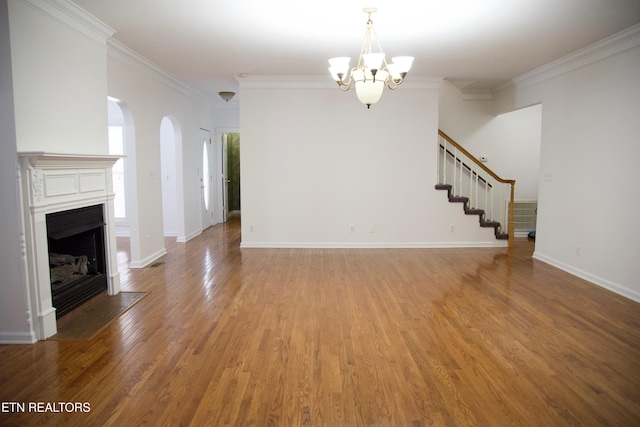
(227, 95)
(373, 72)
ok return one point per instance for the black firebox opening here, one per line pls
(76, 256)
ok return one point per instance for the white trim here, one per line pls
(53, 183)
(598, 281)
(148, 260)
(188, 237)
(17, 338)
(602, 49)
(119, 51)
(375, 245)
(75, 17)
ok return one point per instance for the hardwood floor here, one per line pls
(343, 337)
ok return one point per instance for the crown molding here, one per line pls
(119, 51)
(73, 16)
(322, 82)
(602, 49)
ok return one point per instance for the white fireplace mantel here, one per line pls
(54, 182)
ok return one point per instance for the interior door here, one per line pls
(224, 179)
(206, 179)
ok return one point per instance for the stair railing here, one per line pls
(470, 178)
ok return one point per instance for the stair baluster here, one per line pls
(481, 179)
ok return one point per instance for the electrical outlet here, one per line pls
(452, 228)
(352, 228)
(578, 250)
(372, 228)
(252, 228)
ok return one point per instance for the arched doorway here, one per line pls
(121, 127)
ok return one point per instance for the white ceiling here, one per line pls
(474, 43)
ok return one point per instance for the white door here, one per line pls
(206, 179)
(225, 180)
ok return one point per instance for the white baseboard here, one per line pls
(378, 245)
(184, 239)
(598, 281)
(148, 260)
(17, 338)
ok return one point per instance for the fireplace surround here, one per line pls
(51, 184)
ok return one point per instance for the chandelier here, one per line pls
(373, 72)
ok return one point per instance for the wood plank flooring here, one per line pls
(342, 337)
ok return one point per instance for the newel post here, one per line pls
(510, 228)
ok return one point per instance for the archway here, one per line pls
(121, 120)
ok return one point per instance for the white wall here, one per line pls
(150, 96)
(589, 154)
(13, 289)
(60, 84)
(169, 136)
(510, 141)
(315, 161)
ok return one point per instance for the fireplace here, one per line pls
(69, 249)
(76, 256)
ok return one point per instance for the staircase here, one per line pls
(478, 188)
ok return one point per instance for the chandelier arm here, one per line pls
(391, 85)
(347, 85)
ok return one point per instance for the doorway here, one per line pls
(228, 141)
(233, 172)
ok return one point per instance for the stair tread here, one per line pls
(489, 224)
(457, 199)
(474, 211)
